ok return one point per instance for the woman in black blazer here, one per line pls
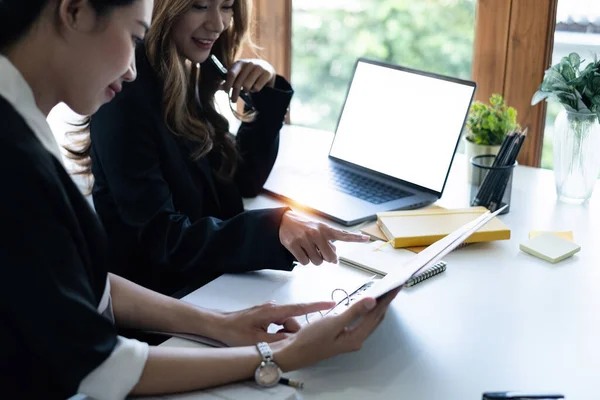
(58, 304)
(169, 178)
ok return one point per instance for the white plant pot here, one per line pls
(473, 150)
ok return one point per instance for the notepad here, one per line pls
(550, 247)
(568, 235)
(424, 227)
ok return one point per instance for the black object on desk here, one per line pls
(495, 173)
(521, 396)
(496, 183)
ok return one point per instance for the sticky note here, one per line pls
(550, 247)
(565, 235)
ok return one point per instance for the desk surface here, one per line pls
(498, 319)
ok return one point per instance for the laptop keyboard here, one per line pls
(363, 188)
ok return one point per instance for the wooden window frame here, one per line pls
(271, 32)
(513, 47)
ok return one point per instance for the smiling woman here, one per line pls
(169, 176)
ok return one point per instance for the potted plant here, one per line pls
(487, 126)
(576, 148)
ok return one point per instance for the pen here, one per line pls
(292, 383)
(222, 71)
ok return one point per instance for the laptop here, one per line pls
(393, 146)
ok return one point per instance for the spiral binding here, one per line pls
(428, 273)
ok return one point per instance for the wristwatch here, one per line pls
(268, 373)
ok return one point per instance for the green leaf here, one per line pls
(575, 60)
(581, 107)
(566, 97)
(560, 86)
(551, 78)
(568, 72)
(539, 96)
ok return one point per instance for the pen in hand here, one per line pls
(222, 71)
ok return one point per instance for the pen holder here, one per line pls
(494, 183)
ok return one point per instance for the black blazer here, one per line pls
(168, 219)
(53, 265)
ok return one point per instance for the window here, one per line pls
(328, 37)
(577, 30)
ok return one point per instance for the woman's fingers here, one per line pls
(313, 253)
(298, 253)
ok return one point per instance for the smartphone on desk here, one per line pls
(218, 66)
(521, 396)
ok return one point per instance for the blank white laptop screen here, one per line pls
(402, 124)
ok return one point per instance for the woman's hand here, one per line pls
(250, 75)
(249, 326)
(310, 241)
(332, 335)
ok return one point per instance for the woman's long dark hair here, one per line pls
(18, 16)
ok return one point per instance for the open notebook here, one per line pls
(429, 256)
(397, 276)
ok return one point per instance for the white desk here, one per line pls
(498, 319)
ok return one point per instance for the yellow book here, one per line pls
(424, 227)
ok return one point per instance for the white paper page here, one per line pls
(376, 257)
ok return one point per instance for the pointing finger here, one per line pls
(345, 236)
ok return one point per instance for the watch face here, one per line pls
(267, 374)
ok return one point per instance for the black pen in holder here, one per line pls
(494, 183)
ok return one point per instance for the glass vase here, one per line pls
(576, 155)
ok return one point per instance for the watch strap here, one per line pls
(265, 351)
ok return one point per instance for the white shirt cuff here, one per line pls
(119, 373)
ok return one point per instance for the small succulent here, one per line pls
(577, 90)
(489, 124)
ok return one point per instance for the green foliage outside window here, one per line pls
(430, 35)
